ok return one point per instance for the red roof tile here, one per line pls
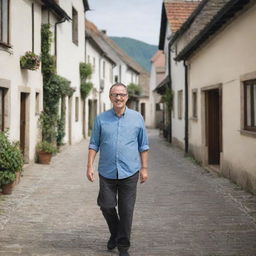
(178, 11)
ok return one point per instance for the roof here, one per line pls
(158, 60)
(205, 21)
(174, 13)
(95, 38)
(51, 4)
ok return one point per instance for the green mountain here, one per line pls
(139, 51)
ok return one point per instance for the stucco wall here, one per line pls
(22, 80)
(223, 60)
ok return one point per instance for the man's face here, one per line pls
(118, 96)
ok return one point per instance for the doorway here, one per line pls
(214, 125)
(23, 121)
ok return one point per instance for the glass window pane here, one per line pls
(248, 107)
(5, 21)
(254, 101)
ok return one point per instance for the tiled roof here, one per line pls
(158, 60)
(210, 16)
(177, 12)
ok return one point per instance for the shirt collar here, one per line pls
(125, 111)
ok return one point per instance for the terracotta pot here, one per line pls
(7, 188)
(44, 158)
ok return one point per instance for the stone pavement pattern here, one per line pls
(181, 211)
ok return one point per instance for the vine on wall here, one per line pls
(55, 88)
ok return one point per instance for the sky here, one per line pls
(138, 19)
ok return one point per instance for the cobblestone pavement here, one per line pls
(182, 210)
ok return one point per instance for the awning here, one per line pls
(162, 86)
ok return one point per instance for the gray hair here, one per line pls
(118, 84)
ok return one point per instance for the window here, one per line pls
(158, 107)
(88, 58)
(111, 74)
(180, 104)
(3, 92)
(4, 22)
(250, 105)
(104, 69)
(194, 102)
(173, 104)
(74, 26)
(116, 79)
(94, 64)
(37, 104)
(77, 109)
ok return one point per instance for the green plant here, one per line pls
(55, 87)
(167, 98)
(30, 61)
(85, 73)
(134, 90)
(46, 147)
(85, 89)
(11, 159)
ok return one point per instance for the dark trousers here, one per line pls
(120, 193)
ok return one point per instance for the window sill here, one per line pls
(6, 45)
(248, 133)
(194, 119)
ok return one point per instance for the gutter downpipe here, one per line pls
(170, 87)
(186, 108)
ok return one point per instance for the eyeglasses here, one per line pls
(115, 95)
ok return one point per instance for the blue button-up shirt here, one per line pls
(120, 141)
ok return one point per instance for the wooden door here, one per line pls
(213, 126)
(23, 97)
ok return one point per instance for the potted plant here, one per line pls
(11, 163)
(44, 151)
(30, 61)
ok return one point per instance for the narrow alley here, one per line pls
(182, 210)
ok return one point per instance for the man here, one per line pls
(120, 136)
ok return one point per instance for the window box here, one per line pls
(30, 61)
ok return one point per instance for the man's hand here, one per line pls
(90, 174)
(143, 174)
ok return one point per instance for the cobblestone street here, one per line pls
(182, 210)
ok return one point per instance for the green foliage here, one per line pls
(46, 147)
(134, 90)
(85, 89)
(167, 98)
(30, 61)
(11, 159)
(54, 87)
(48, 61)
(85, 71)
(7, 177)
(139, 51)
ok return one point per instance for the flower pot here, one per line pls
(44, 158)
(7, 188)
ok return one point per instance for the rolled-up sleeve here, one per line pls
(95, 137)
(143, 144)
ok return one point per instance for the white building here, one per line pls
(21, 90)
(174, 14)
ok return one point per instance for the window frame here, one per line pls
(2, 42)
(249, 83)
(74, 26)
(194, 104)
